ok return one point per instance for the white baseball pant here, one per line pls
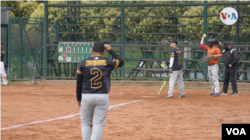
(2, 71)
(176, 76)
(93, 106)
(213, 77)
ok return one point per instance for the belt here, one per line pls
(211, 64)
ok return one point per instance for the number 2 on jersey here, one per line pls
(98, 73)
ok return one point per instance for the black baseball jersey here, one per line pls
(177, 54)
(2, 54)
(230, 57)
(94, 74)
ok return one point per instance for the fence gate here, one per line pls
(25, 48)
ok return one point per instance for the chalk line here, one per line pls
(63, 117)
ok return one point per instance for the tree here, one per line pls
(20, 8)
(27, 8)
(144, 11)
(14, 5)
(213, 10)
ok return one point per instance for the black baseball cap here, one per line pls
(228, 43)
(98, 46)
(174, 41)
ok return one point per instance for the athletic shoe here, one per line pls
(168, 97)
(2, 83)
(223, 93)
(216, 94)
(5, 84)
(211, 94)
(234, 93)
(181, 96)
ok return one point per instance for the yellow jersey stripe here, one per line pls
(78, 71)
(116, 65)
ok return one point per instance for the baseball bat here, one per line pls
(163, 84)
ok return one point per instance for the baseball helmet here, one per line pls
(212, 41)
(228, 43)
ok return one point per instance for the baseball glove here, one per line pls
(207, 58)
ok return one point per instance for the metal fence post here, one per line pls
(45, 33)
(237, 24)
(21, 48)
(122, 37)
(205, 40)
(42, 47)
(9, 51)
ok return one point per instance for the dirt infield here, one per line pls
(198, 116)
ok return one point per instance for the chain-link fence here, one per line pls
(26, 47)
(139, 31)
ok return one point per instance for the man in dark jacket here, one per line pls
(230, 57)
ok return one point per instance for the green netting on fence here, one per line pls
(139, 31)
(26, 47)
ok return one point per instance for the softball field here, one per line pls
(50, 111)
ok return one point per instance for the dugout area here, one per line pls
(31, 112)
(139, 31)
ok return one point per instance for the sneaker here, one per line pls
(216, 94)
(5, 84)
(211, 94)
(181, 96)
(168, 97)
(234, 93)
(223, 93)
(2, 83)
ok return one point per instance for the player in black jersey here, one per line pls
(176, 69)
(93, 86)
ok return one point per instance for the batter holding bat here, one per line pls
(175, 70)
(93, 86)
(213, 53)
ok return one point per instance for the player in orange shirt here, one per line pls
(213, 67)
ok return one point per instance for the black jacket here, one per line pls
(230, 57)
(2, 54)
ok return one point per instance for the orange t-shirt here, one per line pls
(212, 51)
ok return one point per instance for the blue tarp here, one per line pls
(5, 8)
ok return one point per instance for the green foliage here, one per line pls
(13, 4)
(212, 10)
(27, 8)
(52, 12)
(143, 11)
(39, 11)
(20, 8)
